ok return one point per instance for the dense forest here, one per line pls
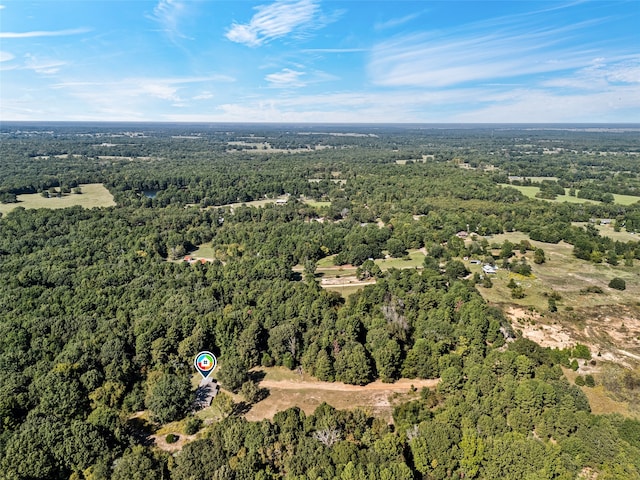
(101, 318)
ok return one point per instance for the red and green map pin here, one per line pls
(205, 363)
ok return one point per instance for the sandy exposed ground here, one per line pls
(401, 385)
(553, 336)
(377, 397)
(612, 333)
(348, 281)
(161, 442)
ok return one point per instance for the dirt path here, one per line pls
(350, 282)
(161, 442)
(400, 386)
(377, 398)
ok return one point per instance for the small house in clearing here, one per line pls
(205, 393)
(489, 269)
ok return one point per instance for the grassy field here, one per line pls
(608, 323)
(288, 389)
(203, 251)
(254, 203)
(531, 191)
(564, 273)
(625, 199)
(326, 262)
(413, 260)
(341, 278)
(344, 291)
(538, 179)
(316, 203)
(608, 231)
(93, 195)
(266, 201)
(599, 401)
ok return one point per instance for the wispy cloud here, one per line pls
(6, 56)
(477, 105)
(274, 21)
(396, 22)
(42, 66)
(286, 78)
(602, 73)
(333, 50)
(174, 91)
(619, 104)
(420, 61)
(206, 95)
(44, 33)
(501, 48)
(168, 13)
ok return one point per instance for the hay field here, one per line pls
(93, 195)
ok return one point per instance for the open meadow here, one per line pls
(608, 323)
(93, 195)
(288, 389)
(562, 273)
(531, 191)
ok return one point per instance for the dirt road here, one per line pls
(400, 386)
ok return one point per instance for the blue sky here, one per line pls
(320, 61)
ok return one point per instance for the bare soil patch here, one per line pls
(612, 332)
(377, 398)
(345, 281)
(161, 442)
(545, 335)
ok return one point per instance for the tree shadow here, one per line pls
(241, 408)
(140, 430)
(257, 375)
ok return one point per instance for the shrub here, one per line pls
(193, 425)
(589, 381)
(517, 292)
(172, 438)
(266, 360)
(591, 289)
(580, 381)
(581, 351)
(618, 283)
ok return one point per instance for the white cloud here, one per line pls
(333, 50)
(168, 14)
(600, 75)
(540, 106)
(274, 21)
(428, 61)
(42, 66)
(135, 97)
(396, 22)
(286, 78)
(498, 48)
(43, 33)
(6, 56)
(203, 96)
